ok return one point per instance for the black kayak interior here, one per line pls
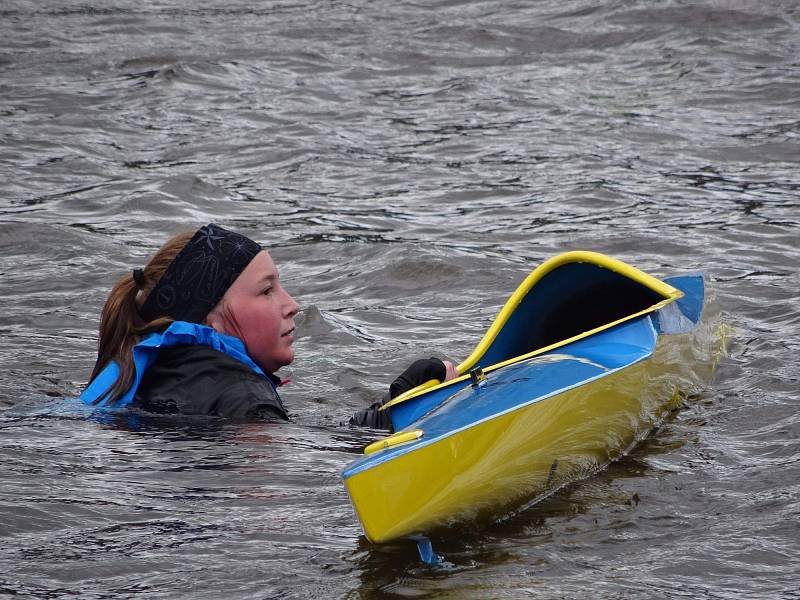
(569, 300)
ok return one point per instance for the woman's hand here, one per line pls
(421, 371)
(451, 370)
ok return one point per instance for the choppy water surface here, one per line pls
(408, 164)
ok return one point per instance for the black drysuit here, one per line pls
(198, 380)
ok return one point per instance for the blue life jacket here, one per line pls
(179, 333)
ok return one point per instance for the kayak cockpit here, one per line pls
(567, 298)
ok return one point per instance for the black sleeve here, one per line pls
(418, 373)
(373, 416)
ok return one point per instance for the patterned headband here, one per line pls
(197, 279)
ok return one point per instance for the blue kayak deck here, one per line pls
(514, 386)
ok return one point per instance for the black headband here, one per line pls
(197, 279)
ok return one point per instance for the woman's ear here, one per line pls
(215, 320)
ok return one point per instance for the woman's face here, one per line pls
(258, 311)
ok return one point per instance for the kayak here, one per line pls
(585, 357)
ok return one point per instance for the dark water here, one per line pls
(408, 164)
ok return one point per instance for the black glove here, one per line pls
(419, 372)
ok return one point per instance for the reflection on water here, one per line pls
(407, 165)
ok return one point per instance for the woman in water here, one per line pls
(203, 328)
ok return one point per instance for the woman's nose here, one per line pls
(292, 307)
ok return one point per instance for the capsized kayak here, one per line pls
(584, 358)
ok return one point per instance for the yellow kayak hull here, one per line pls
(491, 467)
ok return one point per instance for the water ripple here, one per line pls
(407, 165)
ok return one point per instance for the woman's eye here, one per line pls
(267, 291)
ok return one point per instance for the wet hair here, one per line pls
(121, 324)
